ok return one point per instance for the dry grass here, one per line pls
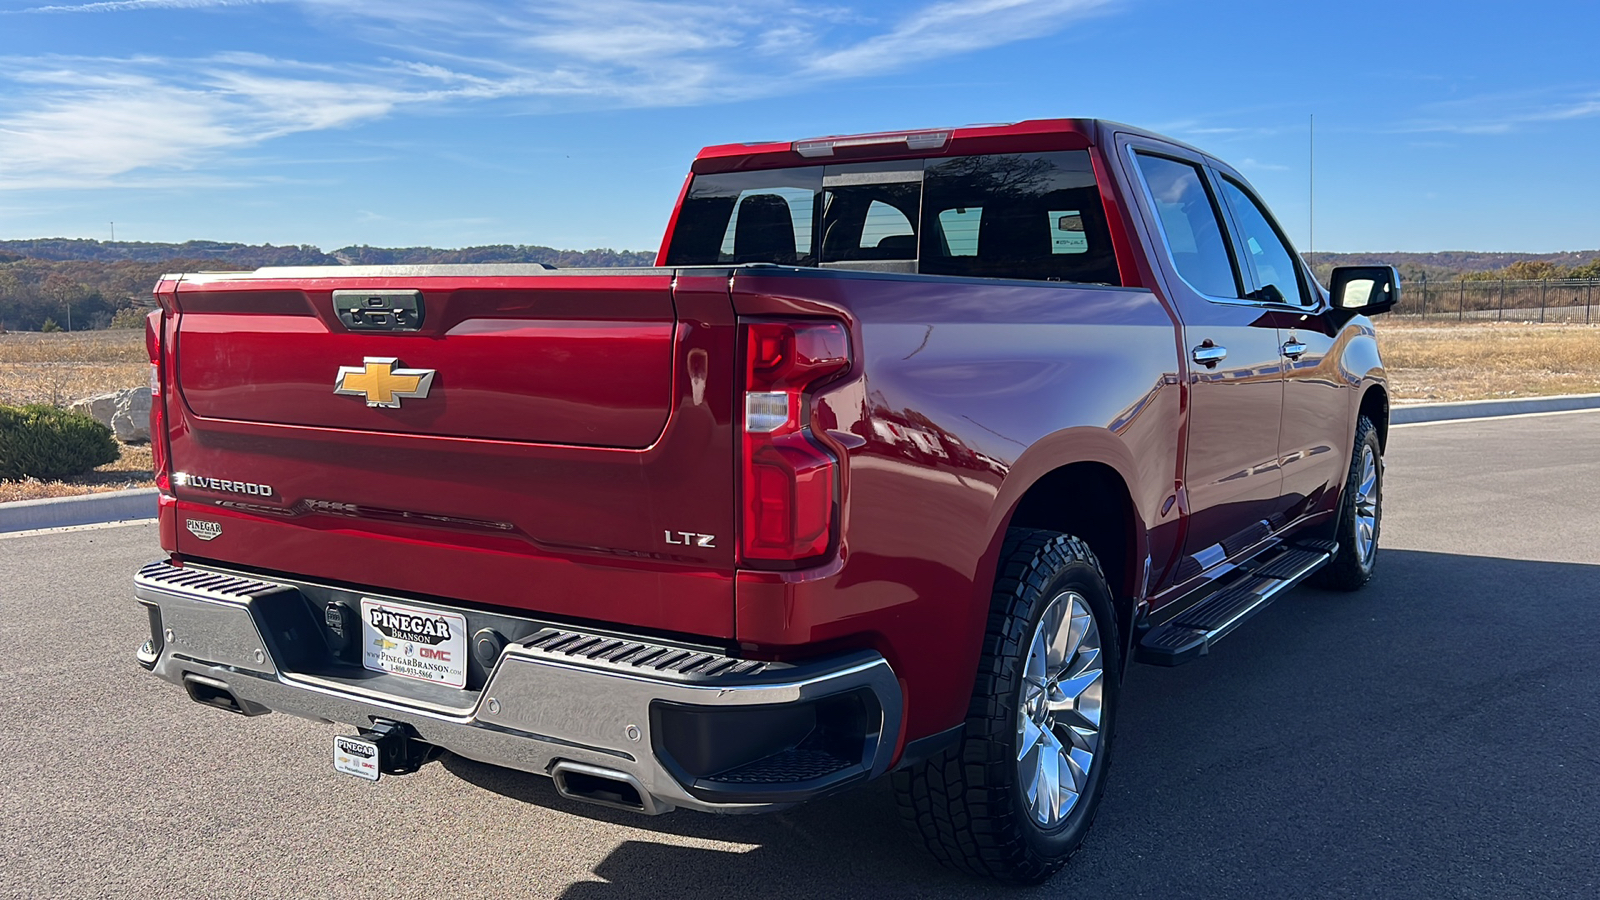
(60, 368)
(1479, 361)
(133, 469)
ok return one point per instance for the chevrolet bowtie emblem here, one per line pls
(380, 380)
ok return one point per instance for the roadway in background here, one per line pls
(1436, 735)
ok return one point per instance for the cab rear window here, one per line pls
(1018, 215)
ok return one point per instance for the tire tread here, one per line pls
(1345, 572)
(960, 805)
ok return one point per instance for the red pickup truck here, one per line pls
(906, 446)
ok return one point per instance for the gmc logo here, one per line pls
(434, 653)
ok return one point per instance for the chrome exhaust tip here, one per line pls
(211, 692)
(604, 787)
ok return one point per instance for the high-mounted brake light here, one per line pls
(914, 140)
(788, 481)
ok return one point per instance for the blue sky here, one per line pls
(570, 123)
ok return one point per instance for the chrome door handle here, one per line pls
(1294, 349)
(1209, 354)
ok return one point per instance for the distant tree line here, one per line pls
(1537, 270)
(50, 295)
(47, 282)
(1451, 265)
(496, 253)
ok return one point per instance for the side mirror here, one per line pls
(1365, 290)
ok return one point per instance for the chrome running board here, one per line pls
(1190, 634)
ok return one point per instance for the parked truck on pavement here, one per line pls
(907, 446)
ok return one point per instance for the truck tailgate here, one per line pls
(541, 441)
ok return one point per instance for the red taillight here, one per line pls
(153, 325)
(789, 482)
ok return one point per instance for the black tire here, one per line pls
(1350, 570)
(967, 807)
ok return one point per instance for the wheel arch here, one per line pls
(1375, 406)
(1090, 500)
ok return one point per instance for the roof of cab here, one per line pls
(1031, 136)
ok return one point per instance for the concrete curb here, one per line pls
(1410, 414)
(85, 509)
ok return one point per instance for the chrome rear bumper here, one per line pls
(555, 701)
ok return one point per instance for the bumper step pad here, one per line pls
(1189, 634)
(236, 588)
(655, 660)
(787, 767)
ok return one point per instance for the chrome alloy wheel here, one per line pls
(1058, 718)
(1367, 506)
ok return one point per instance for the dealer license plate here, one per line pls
(419, 643)
(353, 756)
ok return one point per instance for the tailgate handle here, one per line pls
(380, 310)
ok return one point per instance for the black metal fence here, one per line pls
(1502, 300)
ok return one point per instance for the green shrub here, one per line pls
(128, 318)
(46, 443)
(49, 326)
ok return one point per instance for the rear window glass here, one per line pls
(745, 217)
(1016, 215)
(1033, 216)
(958, 229)
(869, 211)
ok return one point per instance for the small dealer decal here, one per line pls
(202, 529)
(357, 757)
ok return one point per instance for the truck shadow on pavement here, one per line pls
(1431, 735)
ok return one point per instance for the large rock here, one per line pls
(126, 413)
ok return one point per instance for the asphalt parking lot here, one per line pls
(1437, 735)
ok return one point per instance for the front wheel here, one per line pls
(1015, 800)
(1360, 515)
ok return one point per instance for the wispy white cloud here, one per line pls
(98, 119)
(944, 29)
(1249, 164)
(1502, 113)
(133, 5)
(84, 121)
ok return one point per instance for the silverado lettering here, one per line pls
(973, 418)
(221, 484)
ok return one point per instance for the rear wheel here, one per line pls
(1016, 798)
(1360, 515)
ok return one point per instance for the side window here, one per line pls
(1269, 255)
(1193, 229)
